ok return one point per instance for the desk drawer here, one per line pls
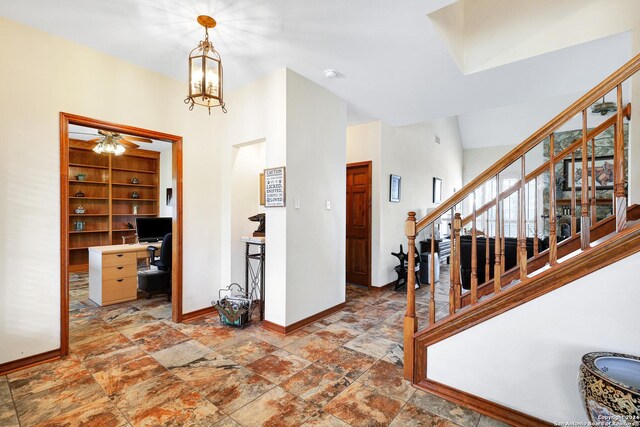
(117, 290)
(122, 258)
(119, 271)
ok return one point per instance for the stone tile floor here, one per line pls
(130, 365)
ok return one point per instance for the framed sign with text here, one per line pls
(274, 187)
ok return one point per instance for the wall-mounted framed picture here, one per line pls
(394, 188)
(603, 173)
(437, 190)
(274, 187)
(169, 196)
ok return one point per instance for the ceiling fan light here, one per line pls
(603, 108)
(109, 145)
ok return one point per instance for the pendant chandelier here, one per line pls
(205, 72)
(109, 144)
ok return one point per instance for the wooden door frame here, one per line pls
(176, 272)
(369, 204)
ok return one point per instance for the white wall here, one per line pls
(477, 160)
(82, 81)
(528, 358)
(634, 127)
(259, 113)
(248, 163)
(511, 124)
(412, 153)
(316, 237)
(304, 129)
(166, 176)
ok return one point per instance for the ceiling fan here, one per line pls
(114, 142)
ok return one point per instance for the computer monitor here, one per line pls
(153, 229)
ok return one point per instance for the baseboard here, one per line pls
(198, 313)
(384, 287)
(28, 362)
(274, 327)
(483, 406)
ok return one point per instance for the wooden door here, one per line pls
(358, 263)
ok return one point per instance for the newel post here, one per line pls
(410, 321)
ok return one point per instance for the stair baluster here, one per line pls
(553, 236)
(487, 264)
(522, 224)
(535, 217)
(474, 256)
(573, 194)
(618, 159)
(432, 278)
(497, 271)
(585, 220)
(452, 263)
(594, 217)
(455, 272)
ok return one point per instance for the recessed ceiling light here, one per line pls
(330, 73)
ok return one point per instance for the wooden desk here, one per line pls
(113, 272)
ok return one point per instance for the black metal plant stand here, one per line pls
(254, 274)
(401, 269)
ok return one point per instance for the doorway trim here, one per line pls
(370, 205)
(176, 273)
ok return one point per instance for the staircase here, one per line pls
(534, 191)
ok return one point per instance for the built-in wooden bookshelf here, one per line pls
(107, 188)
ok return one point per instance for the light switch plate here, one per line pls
(327, 205)
(296, 203)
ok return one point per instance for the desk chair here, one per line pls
(158, 281)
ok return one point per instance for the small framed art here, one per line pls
(394, 188)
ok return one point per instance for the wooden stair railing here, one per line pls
(564, 248)
(577, 151)
(621, 245)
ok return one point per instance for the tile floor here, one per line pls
(130, 365)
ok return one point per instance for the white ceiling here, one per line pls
(483, 34)
(393, 64)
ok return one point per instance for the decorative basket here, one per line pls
(234, 309)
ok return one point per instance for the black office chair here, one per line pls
(158, 281)
(163, 261)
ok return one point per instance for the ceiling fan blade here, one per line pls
(83, 133)
(137, 138)
(96, 139)
(127, 144)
